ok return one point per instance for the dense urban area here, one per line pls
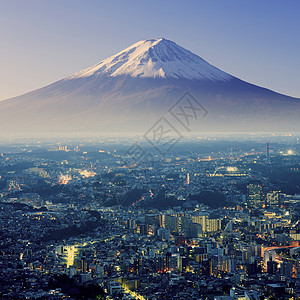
(212, 218)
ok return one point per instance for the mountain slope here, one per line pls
(132, 89)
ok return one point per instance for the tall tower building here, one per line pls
(268, 149)
(188, 178)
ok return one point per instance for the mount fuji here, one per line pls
(131, 90)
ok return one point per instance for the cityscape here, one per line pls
(149, 150)
(198, 224)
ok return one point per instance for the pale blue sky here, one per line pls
(43, 41)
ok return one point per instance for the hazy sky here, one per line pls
(43, 41)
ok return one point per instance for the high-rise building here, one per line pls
(144, 229)
(160, 263)
(183, 224)
(271, 267)
(206, 267)
(170, 223)
(213, 225)
(208, 225)
(182, 264)
(83, 265)
(287, 268)
(269, 255)
(131, 224)
(200, 220)
(172, 261)
(229, 265)
(274, 198)
(254, 195)
(152, 219)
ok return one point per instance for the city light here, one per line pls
(142, 234)
(232, 169)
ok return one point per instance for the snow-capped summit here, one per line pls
(154, 58)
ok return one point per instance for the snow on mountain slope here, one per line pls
(155, 58)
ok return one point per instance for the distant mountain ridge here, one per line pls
(130, 91)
